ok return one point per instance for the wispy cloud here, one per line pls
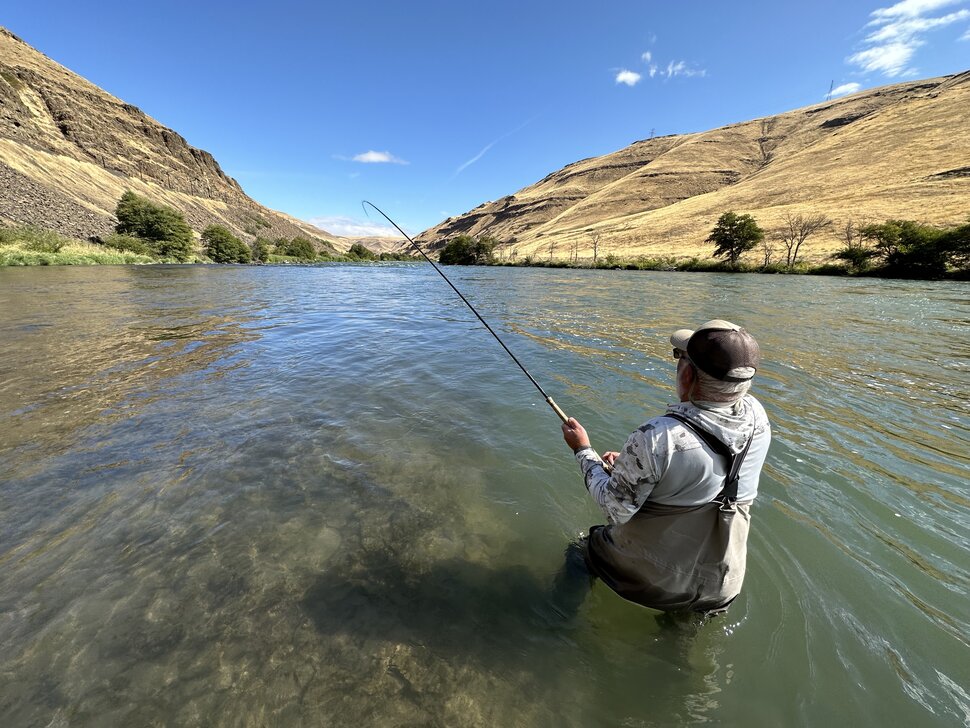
(372, 157)
(680, 68)
(897, 33)
(672, 69)
(462, 167)
(845, 89)
(353, 228)
(630, 78)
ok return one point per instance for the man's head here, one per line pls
(719, 360)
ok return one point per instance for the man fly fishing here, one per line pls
(678, 495)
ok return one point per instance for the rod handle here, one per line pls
(556, 409)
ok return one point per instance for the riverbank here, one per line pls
(698, 265)
(27, 246)
(31, 246)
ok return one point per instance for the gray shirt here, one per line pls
(664, 462)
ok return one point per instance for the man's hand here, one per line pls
(574, 434)
(610, 458)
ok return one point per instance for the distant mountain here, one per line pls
(900, 151)
(68, 150)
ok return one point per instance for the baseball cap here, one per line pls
(719, 348)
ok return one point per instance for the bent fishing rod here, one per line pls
(549, 400)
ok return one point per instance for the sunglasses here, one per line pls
(680, 354)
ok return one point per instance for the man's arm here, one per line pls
(621, 493)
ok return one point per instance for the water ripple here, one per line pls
(304, 495)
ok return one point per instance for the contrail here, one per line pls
(491, 144)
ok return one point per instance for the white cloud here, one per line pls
(630, 78)
(898, 33)
(966, 36)
(911, 28)
(372, 157)
(674, 68)
(910, 9)
(680, 68)
(352, 228)
(891, 59)
(845, 89)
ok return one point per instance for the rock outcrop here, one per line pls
(68, 150)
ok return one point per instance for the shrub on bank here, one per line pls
(224, 247)
(300, 248)
(361, 252)
(399, 257)
(163, 227)
(128, 243)
(906, 249)
(466, 250)
(260, 250)
(71, 253)
(32, 238)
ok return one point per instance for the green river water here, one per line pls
(308, 496)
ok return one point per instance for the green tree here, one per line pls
(466, 250)
(908, 248)
(734, 234)
(224, 247)
(361, 252)
(260, 250)
(302, 248)
(165, 229)
(955, 243)
(298, 247)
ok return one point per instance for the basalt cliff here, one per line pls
(68, 150)
(900, 151)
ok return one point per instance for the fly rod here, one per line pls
(546, 397)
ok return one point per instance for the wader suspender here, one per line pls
(729, 493)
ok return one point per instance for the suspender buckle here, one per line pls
(727, 505)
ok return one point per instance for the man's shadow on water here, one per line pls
(452, 607)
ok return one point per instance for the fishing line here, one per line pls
(546, 397)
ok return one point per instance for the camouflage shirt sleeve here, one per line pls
(635, 473)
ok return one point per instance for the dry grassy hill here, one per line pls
(901, 151)
(68, 150)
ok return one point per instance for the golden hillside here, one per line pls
(68, 150)
(900, 151)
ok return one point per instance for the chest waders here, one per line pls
(679, 558)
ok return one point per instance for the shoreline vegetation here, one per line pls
(892, 249)
(33, 246)
(148, 233)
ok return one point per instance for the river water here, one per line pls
(304, 496)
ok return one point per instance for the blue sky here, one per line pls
(429, 108)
